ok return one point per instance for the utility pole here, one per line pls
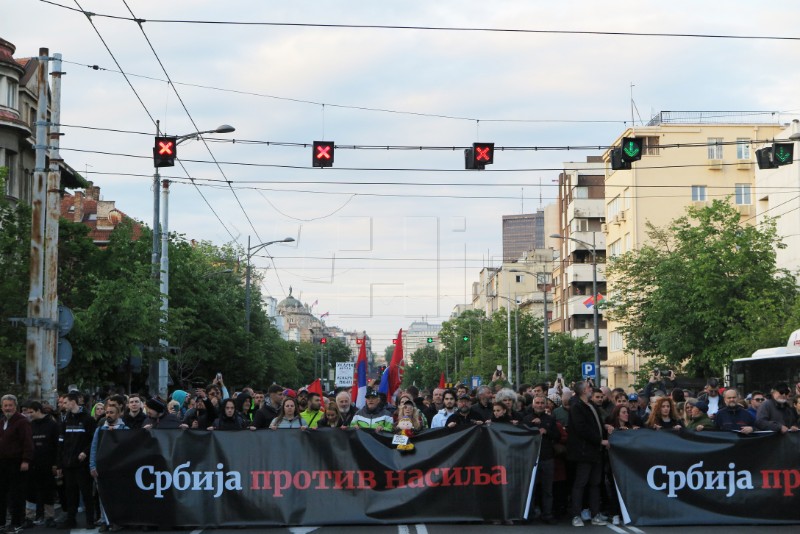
(164, 286)
(156, 213)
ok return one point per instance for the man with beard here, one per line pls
(16, 455)
(448, 409)
(482, 410)
(313, 414)
(777, 414)
(734, 417)
(463, 415)
(711, 396)
(345, 406)
(546, 424)
(585, 442)
(42, 484)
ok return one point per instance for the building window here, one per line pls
(615, 249)
(628, 242)
(742, 148)
(11, 91)
(581, 192)
(615, 341)
(714, 148)
(580, 225)
(613, 208)
(698, 193)
(518, 278)
(650, 146)
(743, 194)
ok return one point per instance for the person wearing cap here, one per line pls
(777, 414)
(711, 396)
(697, 418)
(158, 416)
(75, 442)
(734, 417)
(448, 409)
(270, 407)
(637, 415)
(302, 399)
(372, 416)
(463, 415)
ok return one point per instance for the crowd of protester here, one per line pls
(48, 453)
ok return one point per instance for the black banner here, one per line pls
(315, 477)
(715, 478)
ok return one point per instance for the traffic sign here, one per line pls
(64, 353)
(588, 370)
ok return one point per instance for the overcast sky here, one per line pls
(386, 236)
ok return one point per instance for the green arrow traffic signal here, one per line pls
(631, 149)
(430, 340)
(465, 338)
(783, 153)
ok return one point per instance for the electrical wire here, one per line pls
(438, 28)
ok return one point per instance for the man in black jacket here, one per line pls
(75, 443)
(135, 416)
(269, 408)
(41, 481)
(585, 442)
(777, 414)
(545, 472)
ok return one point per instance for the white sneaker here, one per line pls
(602, 516)
(577, 521)
(616, 520)
(599, 521)
(586, 514)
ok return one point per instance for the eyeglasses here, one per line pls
(759, 399)
(783, 392)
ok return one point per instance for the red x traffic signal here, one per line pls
(322, 154)
(479, 156)
(165, 151)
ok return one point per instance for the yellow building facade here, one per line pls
(689, 158)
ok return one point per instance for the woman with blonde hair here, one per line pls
(664, 415)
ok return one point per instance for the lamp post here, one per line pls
(593, 249)
(516, 336)
(163, 257)
(546, 331)
(250, 252)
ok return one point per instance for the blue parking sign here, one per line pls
(588, 370)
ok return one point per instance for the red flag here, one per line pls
(442, 383)
(315, 387)
(396, 366)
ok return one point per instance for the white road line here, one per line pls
(402, 529)
(198, 531)
(421, 529)
(636, 530)
(300, 530)
(617, 529)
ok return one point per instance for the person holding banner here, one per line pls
(346, 408)
(373, 416)
(664, 415)
(332, 417)
(776, 414)
(733, 417)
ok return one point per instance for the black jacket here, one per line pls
(265, 415)
(77, 432)
(549, 438)
(45, 443)
(772, 415)
(586, 432)
(237, 422)
(134, 422)
(481, 412)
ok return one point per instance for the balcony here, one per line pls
(599, 237)
(582, 272)
(586, 208)
(575, 306)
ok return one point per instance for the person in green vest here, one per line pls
(312, 415)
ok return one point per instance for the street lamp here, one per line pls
(250, 252)
(546, 326)
(593, 249)
(516, 335)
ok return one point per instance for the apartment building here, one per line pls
(689, 158)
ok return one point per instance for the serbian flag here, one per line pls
(324, 315)
(396, 367)
(360, 377)
(590, 301)
(315, 387)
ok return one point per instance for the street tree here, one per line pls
(705, 289)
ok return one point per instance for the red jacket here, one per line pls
(16, 438)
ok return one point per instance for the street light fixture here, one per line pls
(516, 335)
(593, 249)
(250, 253)
(545, 322)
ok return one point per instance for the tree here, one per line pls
(705, 290)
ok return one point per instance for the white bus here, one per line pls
(766, 367)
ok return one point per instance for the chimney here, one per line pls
(78, 204)
(93, 192)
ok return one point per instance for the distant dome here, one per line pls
(290, 302)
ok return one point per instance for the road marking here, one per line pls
(421, 529)
(402, 529)
(617, 529)
(299, 530)
(196, 531)
(636, 530)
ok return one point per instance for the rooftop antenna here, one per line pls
(633, 107)
(541, 198)
(522, 200)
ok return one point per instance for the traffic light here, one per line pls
(629, 151)
(322, 154)
(165, 151)
(783, 153)
(765, 158)
(465, 338)
(430, 340)
(479, 156)
(323, 341)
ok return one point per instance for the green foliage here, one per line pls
(704, 291)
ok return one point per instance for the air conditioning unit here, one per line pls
(615, 220)
(745, 209)
(604, 228)
(715, 164)
(622, 216)
(744, 164)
